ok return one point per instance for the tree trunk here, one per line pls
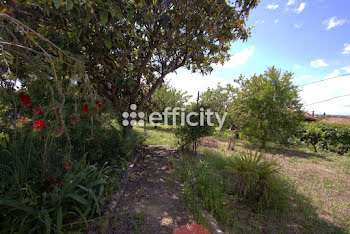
(264, 139)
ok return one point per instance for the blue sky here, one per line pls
(309, 38)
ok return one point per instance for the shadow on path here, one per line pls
(150, 203)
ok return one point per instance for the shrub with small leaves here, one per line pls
(190, 135)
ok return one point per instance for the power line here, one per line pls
(328, 99)
(331, 78)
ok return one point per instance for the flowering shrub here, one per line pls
(62, 187)
(25, 99)
(49, 125)
(99, 105)
(85, 109)
(44, 204)
(37, 111)
(45, 150)
(38, 125)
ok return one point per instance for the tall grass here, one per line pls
(215, 182)
(36, 202)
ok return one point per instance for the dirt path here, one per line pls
(150, 203)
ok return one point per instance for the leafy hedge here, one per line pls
(327, 136)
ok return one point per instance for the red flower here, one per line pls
(191, 228)
(38, 125)
(25, 99)
(37, 111)
(67, 165)
(99, 105)
(74, 120)
(51, 181)
(86, 109)
(24, 121)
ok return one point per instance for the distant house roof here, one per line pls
(337, 120)
(310, 118)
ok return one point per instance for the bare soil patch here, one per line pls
(210, 142)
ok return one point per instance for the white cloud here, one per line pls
(333, 22)
(290, 2)
(276, 21)
(301, 78)
(298, 26)
(238, 59)
(346, 48)
(272, 6)
(259, 22)
(346, 69)
(300, 8)
(194, 82)
(333, 74)
(318, 63)
(325, 90)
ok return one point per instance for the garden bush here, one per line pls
(327, 136)
(109, 144)
(190, 135)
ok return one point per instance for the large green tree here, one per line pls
(221, 99)
(128, 47)
(168, 96)
(267, 106)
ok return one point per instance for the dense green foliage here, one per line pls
(267, 106)
(128, 47)
(167, 96)
(32, 203)
(221, 99)
(189, 136)
(327, 136)
(42, 191)
(47, 182)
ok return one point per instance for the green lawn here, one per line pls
(162, 135)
